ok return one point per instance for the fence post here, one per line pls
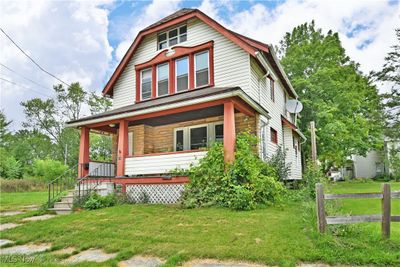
(386, 210)
(320, 208)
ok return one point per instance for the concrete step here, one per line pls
(61, 211)
(62, 205)
(67, 199)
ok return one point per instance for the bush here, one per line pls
(278, 161)
(242, 185)
(21, 185)
(10, 168)
(95, 201)
(312, 176)
(48, 169)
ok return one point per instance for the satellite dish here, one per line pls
(294, 106)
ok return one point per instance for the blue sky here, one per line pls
(85, 40)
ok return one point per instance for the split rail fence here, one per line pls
(385, 218)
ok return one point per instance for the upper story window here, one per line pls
(162, 79)
(272, 88)
(202, 68)
(274, 136)
(182, 74)
(172, 37)
(146, 84)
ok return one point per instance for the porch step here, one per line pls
(63, 205)
(67, 199)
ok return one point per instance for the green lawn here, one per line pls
(282, 236)
(14, 201)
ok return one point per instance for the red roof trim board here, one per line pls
(288, 123)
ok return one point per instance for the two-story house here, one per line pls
(186, 82)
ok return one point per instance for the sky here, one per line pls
(85, 40)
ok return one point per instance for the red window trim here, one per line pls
(274, 135)
(180, 51)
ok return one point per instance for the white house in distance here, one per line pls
(185, 82)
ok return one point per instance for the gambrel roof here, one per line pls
(251, 46)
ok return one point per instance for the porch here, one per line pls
(150, 147)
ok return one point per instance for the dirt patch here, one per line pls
(5, 226)
(38, 218)
(217, 263)
(26, 249)
(96, 255)
(68, 250)
(141, 261)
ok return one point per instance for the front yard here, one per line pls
(284, 235)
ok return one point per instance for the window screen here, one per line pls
(146, 84)
(179, 140)
(219, 132)
(182, 74)
(201, 63)
(162, 79)
(198, 137)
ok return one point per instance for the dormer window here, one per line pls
(145, 85)
(172, 37)
(201, 68)
(162, 79)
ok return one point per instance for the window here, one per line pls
(274, 136)
(272, 87)
(146, 84)
(201, 69)
(219, 132)
(162, 79)
(172, 37)
(179, 140)
(182, 74)
(198, 137)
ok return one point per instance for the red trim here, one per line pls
(191, 71)
(153, 82)
(122, 147)
(149, 180)
(137, 86)
(83, 152)
(229, 132)
(196, 13)
(172, 74)
(288, 123)
(165, 153)
(243, 107)
(211, 64)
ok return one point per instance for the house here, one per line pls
(186, 82)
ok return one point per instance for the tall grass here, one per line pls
(22, 185)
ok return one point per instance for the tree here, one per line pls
(343, 102)
(98, 104)
(390, 74)
(4, 132)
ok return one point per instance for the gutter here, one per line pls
(260, 56)
(238, 93)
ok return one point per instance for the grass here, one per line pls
(282, 235)
(14, 201)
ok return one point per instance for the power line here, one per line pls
(26, 78)
(34, 62)
(22, 86)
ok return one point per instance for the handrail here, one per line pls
(58, 185)
(61, 175)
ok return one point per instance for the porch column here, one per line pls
(229, 132)
(122, 151)
(84, 152)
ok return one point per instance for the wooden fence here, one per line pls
(385, 218)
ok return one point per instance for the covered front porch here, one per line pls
(154, 145)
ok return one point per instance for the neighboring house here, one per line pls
(185, 82)
(375, 163)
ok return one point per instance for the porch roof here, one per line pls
(198, 95)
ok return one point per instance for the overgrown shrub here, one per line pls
(22, 185)
(278, 161)
(312, 176)
(48, 169)
(10, 168)
(242, 185)
(95, 201)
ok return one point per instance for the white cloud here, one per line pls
(68, 38)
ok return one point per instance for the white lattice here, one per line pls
(155, 193)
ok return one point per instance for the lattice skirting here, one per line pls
(154, 193)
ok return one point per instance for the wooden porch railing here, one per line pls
(385, 218)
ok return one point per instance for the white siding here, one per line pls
(366, 167)
(293, 160)
(231, 63)
(159, 164)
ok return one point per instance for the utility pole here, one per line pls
(313, 143)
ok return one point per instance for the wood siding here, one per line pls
(159, 164)
(231, 63)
